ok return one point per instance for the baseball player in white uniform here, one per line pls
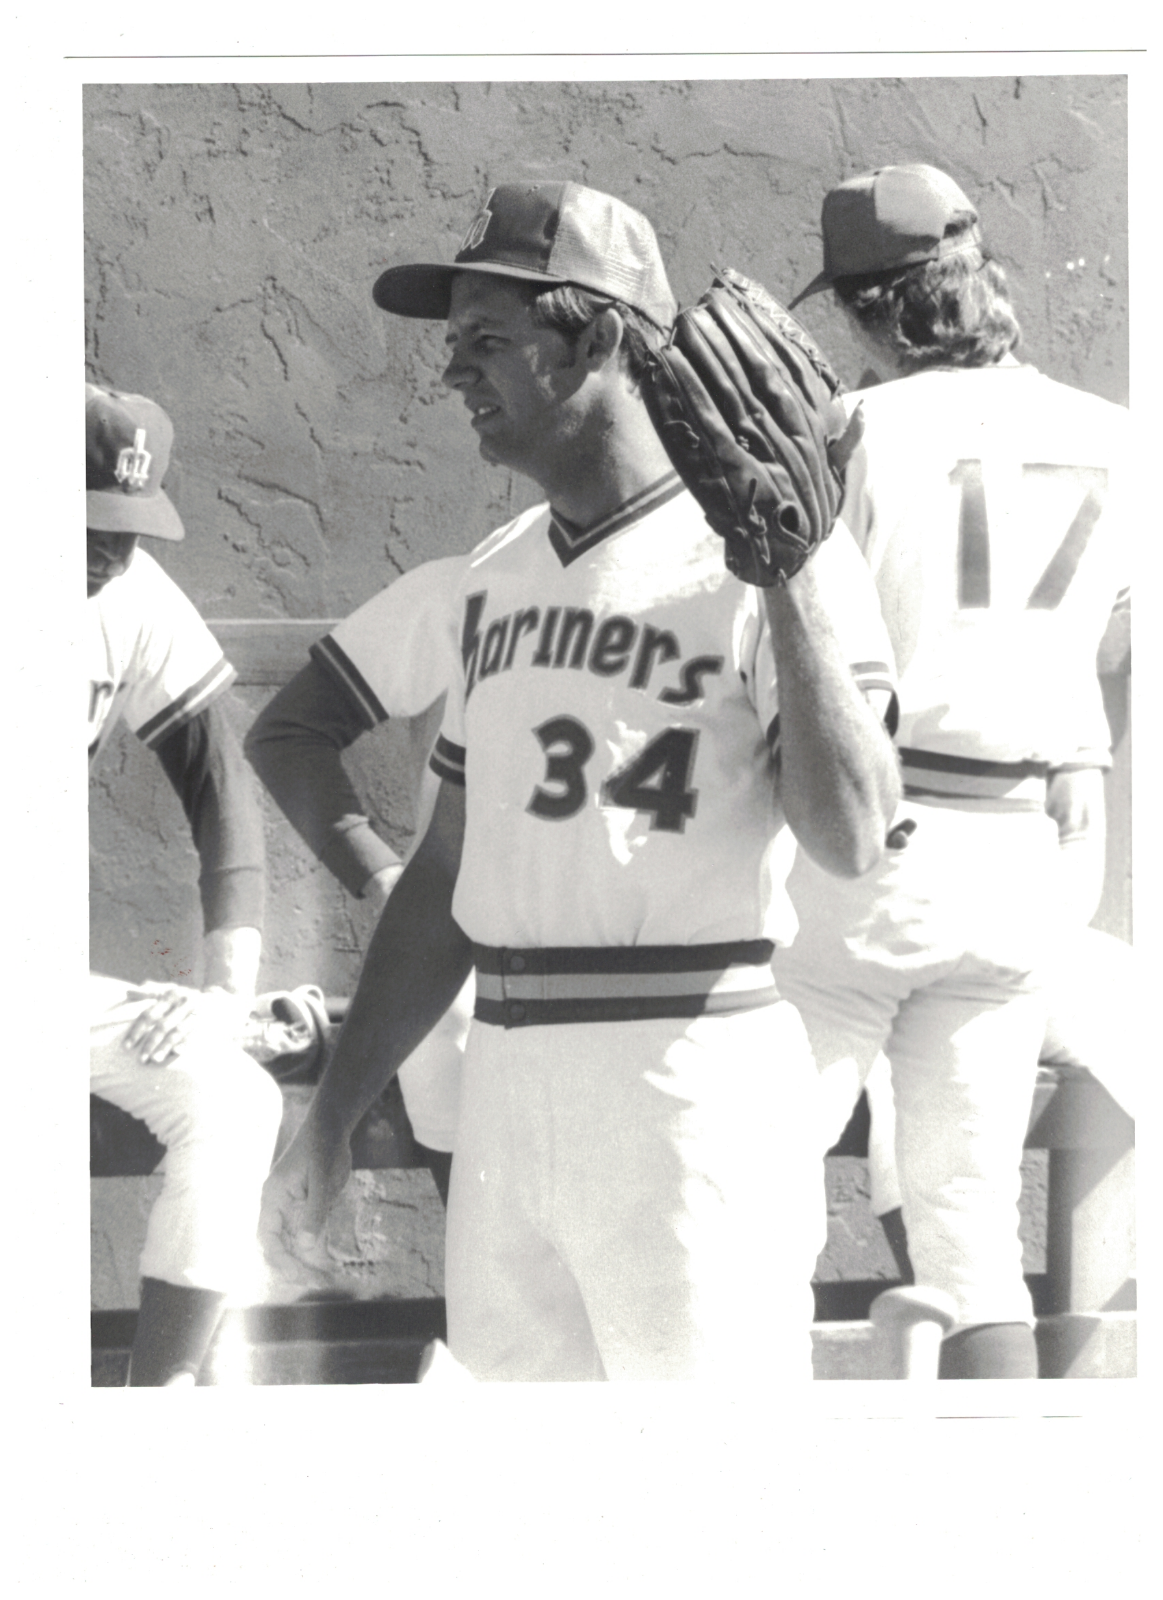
(989, 502)
(394, 657)
(634, 1193)
(166, 1052)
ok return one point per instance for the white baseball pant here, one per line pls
(218, 1114)
(1091, 1023)
(932, 958)
(637, 1200)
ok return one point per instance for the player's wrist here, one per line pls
(231, 961)
(380, 883)
(329, 1124)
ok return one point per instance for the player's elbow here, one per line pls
(846, 837)
(845, 853)
(863, 841)
(270, 746)
(861, 855)
(256, 745)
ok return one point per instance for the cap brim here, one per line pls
(423, 289)
(153, 516)
(822, 280)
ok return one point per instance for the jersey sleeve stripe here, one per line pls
(447, 761)
(332, 656)
(188, 704)
(875, 679)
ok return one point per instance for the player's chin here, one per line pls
(95, 585)
(490, 454)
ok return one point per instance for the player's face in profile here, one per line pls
(515, 378)
(107, 556)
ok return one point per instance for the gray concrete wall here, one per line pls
(232, 235)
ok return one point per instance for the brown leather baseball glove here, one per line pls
(748, 410)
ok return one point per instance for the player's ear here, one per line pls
(602, 340)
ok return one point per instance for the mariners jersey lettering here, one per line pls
(990, 504)
(614, 721)
(152, 660)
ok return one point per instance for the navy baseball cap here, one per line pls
(549, 234)
(893, 217)
(127, 452)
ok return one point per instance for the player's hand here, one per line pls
(304, 1184)
(178, 1015)
(379, 886)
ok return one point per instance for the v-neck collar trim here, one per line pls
(569, 541)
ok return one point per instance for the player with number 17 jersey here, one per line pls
(991, 504)
(996, 613)
(617, 721)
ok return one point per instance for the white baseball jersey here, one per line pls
(398, 653)
(614, 718)
(152, 660)
(990, 504)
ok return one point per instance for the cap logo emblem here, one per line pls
(477, 229)
(133, 464)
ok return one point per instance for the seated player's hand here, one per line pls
(177, 1016)
(304, 1184)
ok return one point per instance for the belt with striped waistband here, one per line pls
(979, 785)
(631, 983)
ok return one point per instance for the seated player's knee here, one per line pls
(254, 1100)
(239, 1106)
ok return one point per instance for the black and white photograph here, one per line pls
(752, 985)
(608, 826)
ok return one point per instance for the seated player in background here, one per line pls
(394, 657)
(167, 1053)
(989, 502)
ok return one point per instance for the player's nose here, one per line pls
(458, 373)
(112, 553)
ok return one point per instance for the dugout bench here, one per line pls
(1084, 1300)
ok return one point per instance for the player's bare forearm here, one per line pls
(416, 964)
(839, 777)
(231, 958)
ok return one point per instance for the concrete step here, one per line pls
(1073, 1344)
(378, 1342)
(311, 1341)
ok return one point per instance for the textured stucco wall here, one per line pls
(232, 235)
